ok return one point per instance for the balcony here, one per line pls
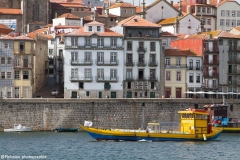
(195, 68)
(60, 58)
(81, 62)
(141, 64)
(59, 69)
(212, 62)
(153, 78)
(152, 64)
(130, 63)
(22, 66)
(107, 79)
(234, 60)
(176, 66)
(234, 83)
(96, 46)
(80, 79)
(141, 78)
(213, 75)
(130, 78)
(107, 63)
(141, 49)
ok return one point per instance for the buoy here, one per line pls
(204, 137)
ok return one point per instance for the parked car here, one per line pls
(54, 92)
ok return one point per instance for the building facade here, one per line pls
(93, 63)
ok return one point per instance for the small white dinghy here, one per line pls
(19, 128)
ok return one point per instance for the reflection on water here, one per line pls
(80, 145)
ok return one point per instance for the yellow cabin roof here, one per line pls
(192, 112)
(152, 123)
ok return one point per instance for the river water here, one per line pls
(79, 145)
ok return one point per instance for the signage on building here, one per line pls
(11, 23)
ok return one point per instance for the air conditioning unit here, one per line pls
(140, 87)
(145, 87)
(136, 83)
(136, 87)
(145, 83)
(140, 83)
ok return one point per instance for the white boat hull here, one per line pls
(26, 129)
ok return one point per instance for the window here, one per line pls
(21, 47)
(222, 22)
(25, 74)
(35, 15)
(168, 75)
(6, 45)
(74, 73)
(197, 64)
(129, 46)
(100, 42)
(209, 21)
(227, 13)
(129, 58)
(222, 13)
(113, 42)
(100, 57)
(203, 20)
(16, 92)
(90, 28)
(152, 58)
(87, 42)
(178, 76)
(9, 60)
(190, 64)
(74, 41)
(50, 51)
(3, 75)
(87, 93)
(98, 28)
(74, 56)
(152, 46)
(52, 41)
(9, 75)
(208, 10)
(198, 78)
(178, 62)
(238, 13)
(198, 9)
(152, 74)
(130, 11)
(164, 43)
(191, 77)
(167, 62)
(129, 73)
(88, 57)
(60, 53)
(233, 23)
(227, 22)
(100, 74)
(203, 10)
(238, 22)
(113, 74)
(81, 85)
(233, 13)
(25, 61)
(3, 60)
(125, 11)
(17, 74)
(113, 58)
(88, 73)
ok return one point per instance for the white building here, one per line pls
(93, 62)
(228, 15)
(194, 73)
(187, 24)
(142, 52)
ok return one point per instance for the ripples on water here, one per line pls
(80, 145)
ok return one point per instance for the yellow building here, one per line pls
(23, 67)
(175, 72)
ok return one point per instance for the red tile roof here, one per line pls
(225, 34)
(65, 27)
(23, 37)
(177, 52)
(135, 21)
(48, 25)
(10, 11)
(4, 29)
(106, 33)
(95, 23)
(6, 37)
(66, 1)
(69, 16)
(223, 1)
(124, 4)
(36, 32)
(168, 34)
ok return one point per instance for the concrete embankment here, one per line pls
(48, 114)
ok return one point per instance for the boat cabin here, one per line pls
(195, 121)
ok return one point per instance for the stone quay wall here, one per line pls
(48, 114)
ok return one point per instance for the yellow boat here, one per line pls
(194, 125)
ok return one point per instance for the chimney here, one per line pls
(171, 3)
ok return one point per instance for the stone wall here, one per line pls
(47, 114)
